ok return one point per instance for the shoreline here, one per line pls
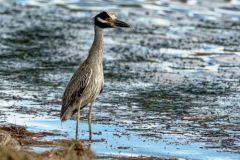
(16, 142)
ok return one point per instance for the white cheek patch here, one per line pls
(101, 20)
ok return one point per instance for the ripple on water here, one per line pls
(173, 78)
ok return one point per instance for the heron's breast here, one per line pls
(94, 86)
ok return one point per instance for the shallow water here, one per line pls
(119, 141)
(172, 79)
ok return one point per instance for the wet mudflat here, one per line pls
(172, 81)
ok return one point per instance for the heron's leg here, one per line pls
(78, 120)
(90, 121)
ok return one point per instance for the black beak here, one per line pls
(119, 23)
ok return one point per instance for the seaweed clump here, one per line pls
(15, 143)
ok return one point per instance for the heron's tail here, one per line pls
(68, 113)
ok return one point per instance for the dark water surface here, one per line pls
(172, 81)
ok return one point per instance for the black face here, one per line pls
(105, 20)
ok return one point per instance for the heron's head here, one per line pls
(108, 20)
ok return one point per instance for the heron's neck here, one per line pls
(96, 51)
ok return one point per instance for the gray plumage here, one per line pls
(87, 82)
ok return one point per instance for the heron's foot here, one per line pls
(90, 122)
(90, 131)
(77, 123)
(76, 135)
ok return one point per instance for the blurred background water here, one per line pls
(174, 73)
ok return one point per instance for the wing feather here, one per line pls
(76, 86)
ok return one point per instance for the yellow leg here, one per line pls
(78, 120)
(90, 121)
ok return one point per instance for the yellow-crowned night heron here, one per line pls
(87, 82)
